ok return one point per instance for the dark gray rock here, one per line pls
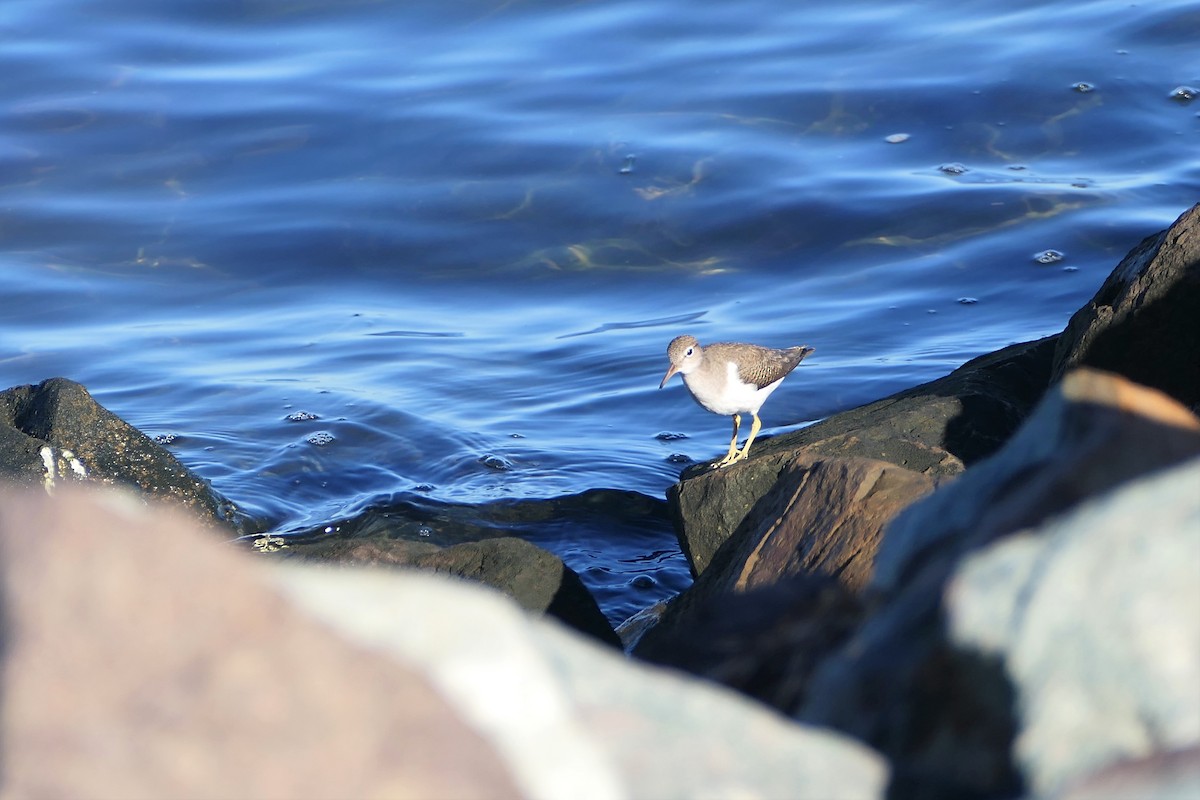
(765, 642)
(1144, 323)
(56, 433)
(537, 579)
(936, 429)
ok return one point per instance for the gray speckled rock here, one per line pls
(1097, 618)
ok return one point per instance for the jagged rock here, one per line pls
(1143, 323)
(942, 715)
(188, 668)
(1096, 616)
(935, 429)
(55, 433)
(537, 579)
(825, 516)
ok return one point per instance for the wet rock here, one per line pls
(943, 715)
(127, 674)
(1142, 323)
(936, 429)
(1096, 617)
(537, 579)
(55, 433)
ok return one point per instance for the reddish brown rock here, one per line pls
(139, 664)
(755, 619)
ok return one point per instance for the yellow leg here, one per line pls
(730, 457)
(734, 457)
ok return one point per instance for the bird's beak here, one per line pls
(673, 369)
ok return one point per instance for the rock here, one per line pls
(941, 714)
(822, 515)
(536, 578)
(193, 669)
(55, 433)
(934, 429)
(1172, 776)
(825, 516)
(1096, 616)
(764, 642)
(1143, 322)
(144, 658)
(1091, 432)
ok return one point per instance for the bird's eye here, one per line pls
(688, 354)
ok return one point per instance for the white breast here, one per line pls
(728, 395)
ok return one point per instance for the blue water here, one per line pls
(461, 234)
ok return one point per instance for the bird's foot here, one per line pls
(732, 458)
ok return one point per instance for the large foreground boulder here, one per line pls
(943, 714)
(1096, 617)
(55, 433)
(144, 658)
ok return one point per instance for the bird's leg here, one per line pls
(730, 457)
(754, 428)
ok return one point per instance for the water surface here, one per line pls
(333, 252)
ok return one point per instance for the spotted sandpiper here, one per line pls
(731, 378)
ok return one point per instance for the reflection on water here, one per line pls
(461, 235)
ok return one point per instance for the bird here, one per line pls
(731, 379)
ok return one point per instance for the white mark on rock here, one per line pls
(47, 454)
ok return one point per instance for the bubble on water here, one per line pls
(424, 487)
(498, 463)
(627, 164)
(668, 436)
(425, 531)
(1083, 87)
(301, 416)
(1070, 269)
(165, 438)
(953, 168)
(643, 582)
(897, 138)
(1017, 167)
(1048, 257)
(1184, 94)
(320, 438)
(967, 301)
(679, 458)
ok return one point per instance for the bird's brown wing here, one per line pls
(772, 365)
